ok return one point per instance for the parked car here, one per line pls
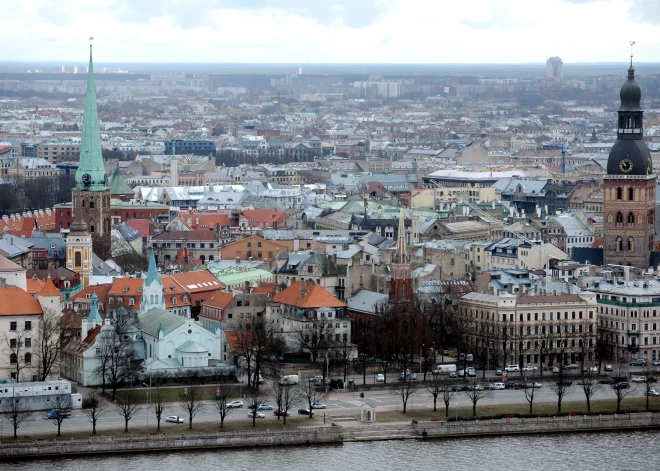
(530, 368)
(590, 369)
(608, 367)
(452, 374)
(532, 385)
(234, 404)
(499, 386)
(621, 385)
(470, 371)
(606, 381)
(498, 372)
(56, 414)
(380, 378)
(639, 379)
(619, 379)
(512, 368)
(260, 415)
(656, 363)
(407, 375)
(279, 413)
(638, 362)
(175, 419)
(551, 369)
(459, 387)
(318, 405)
(476, 387)
(316, 378)
(303, 411)
(572, 366)
(565, 382)
(652, 392)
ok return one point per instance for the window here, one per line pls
(631, 218)
(12, 325)
(619, 218)
(13, 359)
(28, 325)
(12, 343)
(631, 194)
(28, 343)
(619, 193)
(28, 358)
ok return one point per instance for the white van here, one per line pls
(289, 380)
(444, 369)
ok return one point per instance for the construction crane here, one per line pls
(558, 145)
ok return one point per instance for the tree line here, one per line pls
(35, 193)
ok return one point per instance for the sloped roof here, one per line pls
(220, 300)
(192, 347)
(156, 318)
(118, 185)
(314, 296)
(49, 289)
(16, 302)
(7, 265)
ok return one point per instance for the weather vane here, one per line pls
(91, 38)
(632, 43)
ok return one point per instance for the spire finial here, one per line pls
(632, 43)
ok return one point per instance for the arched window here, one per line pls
(631, 244)
(631, 194)
(404, 291)
(619, 244)
(609, 218)
(631, 218)
(28, 358)
(619, 193)
(91, 205)
(91, 228)
(619, 217)
(77, 259)
(13, 358)
(83, 203)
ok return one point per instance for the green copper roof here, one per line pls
(152, 273)
(118, 185)
(91, 174)
(94, 315)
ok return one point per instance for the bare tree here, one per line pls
(220, 404)
(530, 391)
(560, 388)
(276, 393)
(118, 359)
(47, 343)
(648, 385)
(405, 390)
(315, 338)
(191, 400)
(127, 405)
(63, 405)
(255, 397)
(290, 397)
(158, 403)
(311, 395)
(448, 394)
(621, 389)
(94, 406)
(590, 387)
(436, 386)
(20, 356)
(16, 412)
(475, 393)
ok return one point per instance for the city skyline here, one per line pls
(367, 31)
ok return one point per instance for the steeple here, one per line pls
(152, 272)
(91, 174)
(94, 316)
(401, 255)
(118, 185)
(78, 224)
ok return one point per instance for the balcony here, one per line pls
(633, 348)
(634, 332)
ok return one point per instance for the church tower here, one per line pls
(174, 167)
(152, 289)
(91, 196)
(401, 282)
(629, 186)
(79, 248)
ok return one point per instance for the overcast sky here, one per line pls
(330, 31)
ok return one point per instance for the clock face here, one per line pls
(626, 165)
(87, 179)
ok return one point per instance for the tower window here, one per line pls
(631, 244)
(631, 194)
(631, 218)
(91, 205)
(619, 244)
(619, 193)
(619, 218)
(83, 203)
(78, 260)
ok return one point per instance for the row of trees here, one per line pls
(35, 193)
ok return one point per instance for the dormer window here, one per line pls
(125, 289)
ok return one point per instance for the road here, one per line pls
(338, 403)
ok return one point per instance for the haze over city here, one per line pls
(340, 31)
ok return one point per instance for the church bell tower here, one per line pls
(91, 195)
(629, 186)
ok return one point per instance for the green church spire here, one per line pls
(91, 174)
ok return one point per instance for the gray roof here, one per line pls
(192, 347)
(128, 233)
(151, 321)
(366, 301)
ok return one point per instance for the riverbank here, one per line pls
(335, 434)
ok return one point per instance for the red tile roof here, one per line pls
(197, 221)
(49, 289)
(16, 302)
(219, 300)
(259, 217)
(314, 296)
(34, 286)
(140, 225)
(197, 281)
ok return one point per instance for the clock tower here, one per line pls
(629, 186)
(91, 196)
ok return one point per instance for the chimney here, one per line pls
(238, 260)
(302, 289)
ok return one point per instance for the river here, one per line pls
(583, 452)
